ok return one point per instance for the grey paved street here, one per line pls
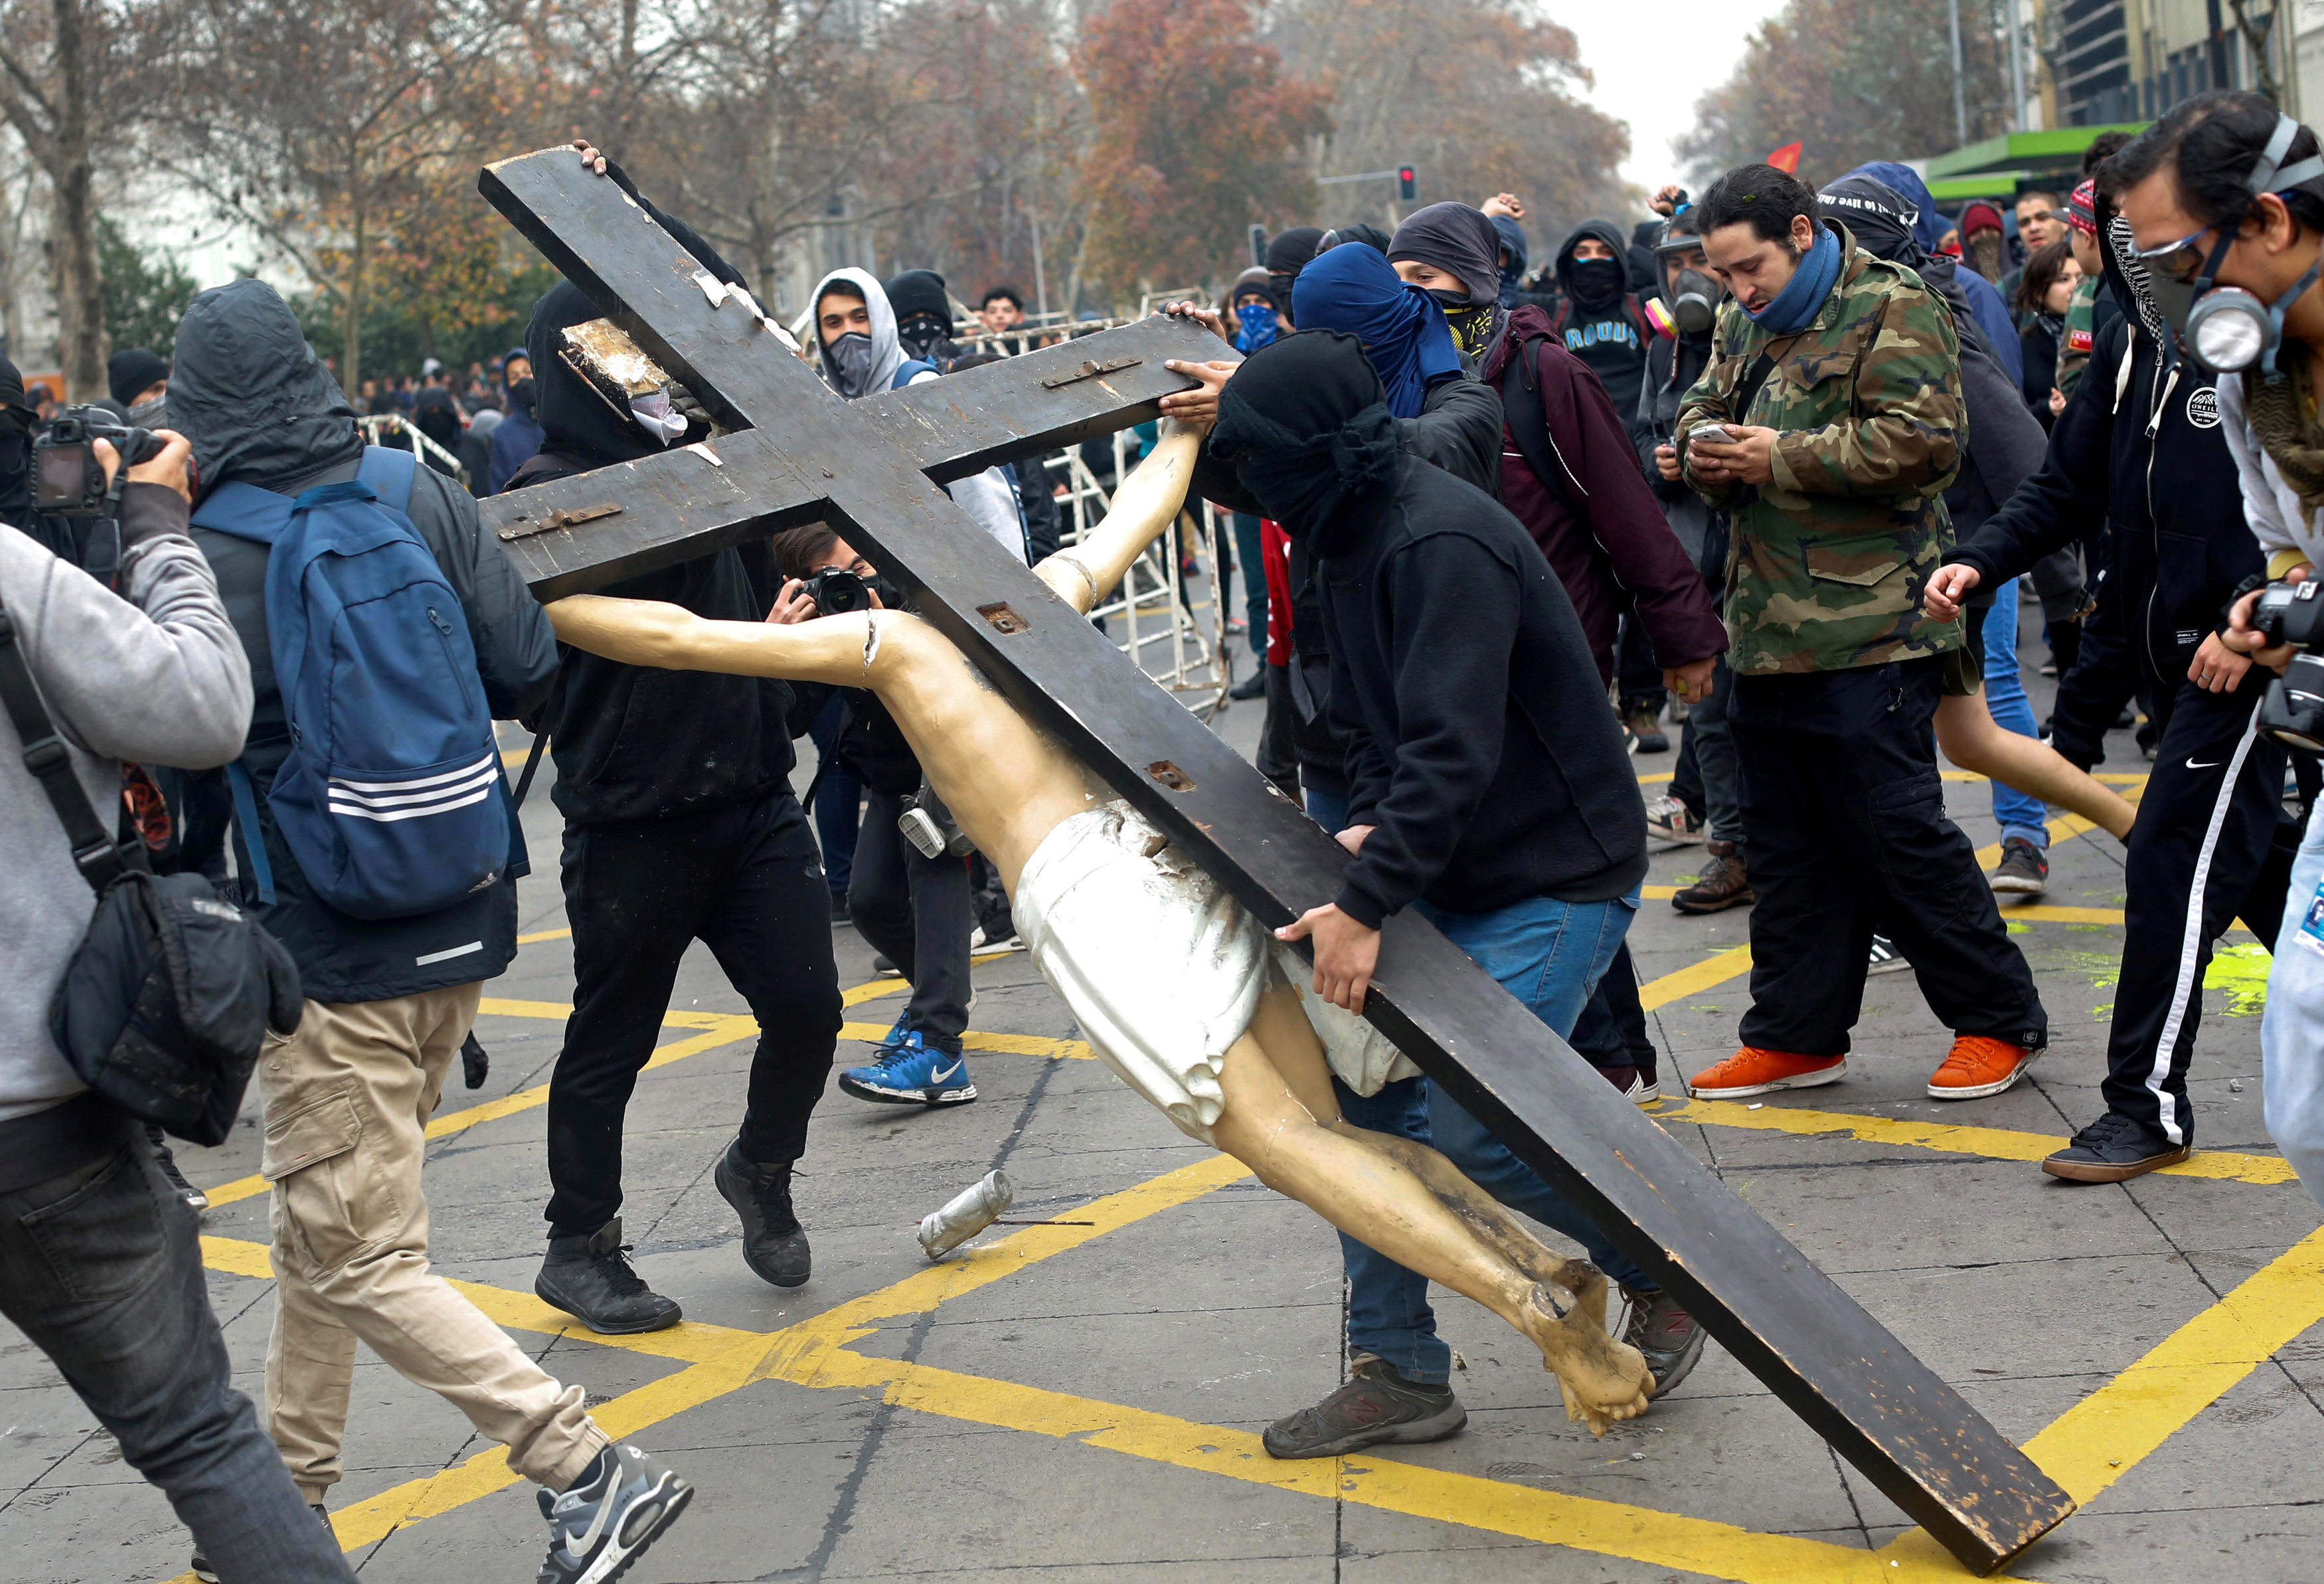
(1083, 1402)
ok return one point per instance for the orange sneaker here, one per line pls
(1752, 1071)
(1979, 1065)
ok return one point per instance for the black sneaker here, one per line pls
(615, 1510)
(2115, 1148)
(194, 1197)
(773, 1244)
(1671, 1339)
(1376, 1405)
(1253, 686)
(2024, 869)
(590, 1278)
(208, 1575)
(1645, 730)
(839, 914)
(1885, 958)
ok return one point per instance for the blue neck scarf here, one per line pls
(1257, 321)
(1802, 295)
(1353, 290)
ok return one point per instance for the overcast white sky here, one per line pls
(1653, 61)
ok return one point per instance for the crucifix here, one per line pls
(796, 454)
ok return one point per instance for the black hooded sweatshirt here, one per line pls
(635, 742)
(2137, 453)
(1599, 318)
(1479, 741)
(259, 407)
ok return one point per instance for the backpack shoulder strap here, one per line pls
(244, 511)
(95, 854)
(388, 474)
(1528, 421)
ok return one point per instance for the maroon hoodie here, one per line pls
(1612, 541)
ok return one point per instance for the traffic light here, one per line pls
(1407, 184)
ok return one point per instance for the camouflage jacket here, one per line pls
(1829, 557)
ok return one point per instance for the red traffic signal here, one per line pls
(1407, 184)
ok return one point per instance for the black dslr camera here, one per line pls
(2293, 711)
(68, 480)
(835, 591)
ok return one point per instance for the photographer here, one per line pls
(2225, 199)
(100, 1263)
(911, 905)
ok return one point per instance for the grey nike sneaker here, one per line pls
(615, 1510)
(1378, 1405)
(1671, 1339)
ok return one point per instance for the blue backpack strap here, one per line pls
(910, 370)
(244, 511)
(388, 473)
(254, 839)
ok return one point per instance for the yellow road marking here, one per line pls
(2101, 1438)
(2032, 913)
(1994, 1143)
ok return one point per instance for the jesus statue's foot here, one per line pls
(1601, 1380)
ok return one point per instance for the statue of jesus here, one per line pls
(1179, 990)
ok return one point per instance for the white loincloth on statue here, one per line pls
(1163, 969)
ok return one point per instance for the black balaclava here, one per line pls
(1371, 237)
(1878, 216)
(1286, 255)
(1595, 286)
(1460, 241)
(923, 312)
(1306, 426)
(575, 420)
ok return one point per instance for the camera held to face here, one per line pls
(2293, 711)
(836, 591)
(68, 479)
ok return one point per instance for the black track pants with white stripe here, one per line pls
(2202, 851)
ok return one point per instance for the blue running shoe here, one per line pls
(911, 1074)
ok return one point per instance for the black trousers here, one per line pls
(1611, 1031)
(1278, 756)
(916, 912)
(1636, 673)
(2091, 695)
(745, 881)
(1845, 818)
(2211, 845)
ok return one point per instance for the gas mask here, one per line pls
(2225, 330)
(1693, 302)
(848, 361)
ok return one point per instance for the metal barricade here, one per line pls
(375, 424)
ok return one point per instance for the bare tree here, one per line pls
(73, 78)
(321, 126)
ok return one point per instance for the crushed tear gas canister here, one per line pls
(968, 1214)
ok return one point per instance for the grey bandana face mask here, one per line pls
(848, 361)
(151, 413)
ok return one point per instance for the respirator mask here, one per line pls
(1691, 295)
(2225, 330)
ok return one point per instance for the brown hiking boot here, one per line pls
(1723, 884)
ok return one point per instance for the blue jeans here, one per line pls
(2018, 814)
(838, 801)
(2292, 1031)
(102, 1268)
(1549, 955)
(1329, 809)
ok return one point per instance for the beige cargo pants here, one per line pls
(347, 1098)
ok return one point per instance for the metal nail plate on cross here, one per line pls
(797, 454)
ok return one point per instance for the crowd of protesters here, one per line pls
(1786, 467)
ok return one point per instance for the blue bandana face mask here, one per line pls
(1258, 322)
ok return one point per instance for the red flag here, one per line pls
(1786, 159)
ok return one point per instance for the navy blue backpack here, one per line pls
(392, 799)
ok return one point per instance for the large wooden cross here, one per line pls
(871, 469)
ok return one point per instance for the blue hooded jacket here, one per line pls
(1985, 303)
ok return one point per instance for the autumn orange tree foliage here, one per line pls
(1854, 80)
(1195, 133)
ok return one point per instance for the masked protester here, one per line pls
(1600, 320)
(139, 382)
(518, 435)
(1251, 317)
(1448, 621)
(1929, 228)
(1982, 242)
(1453, 252)
(680, 825)
(2224, 198)
(923, 310)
